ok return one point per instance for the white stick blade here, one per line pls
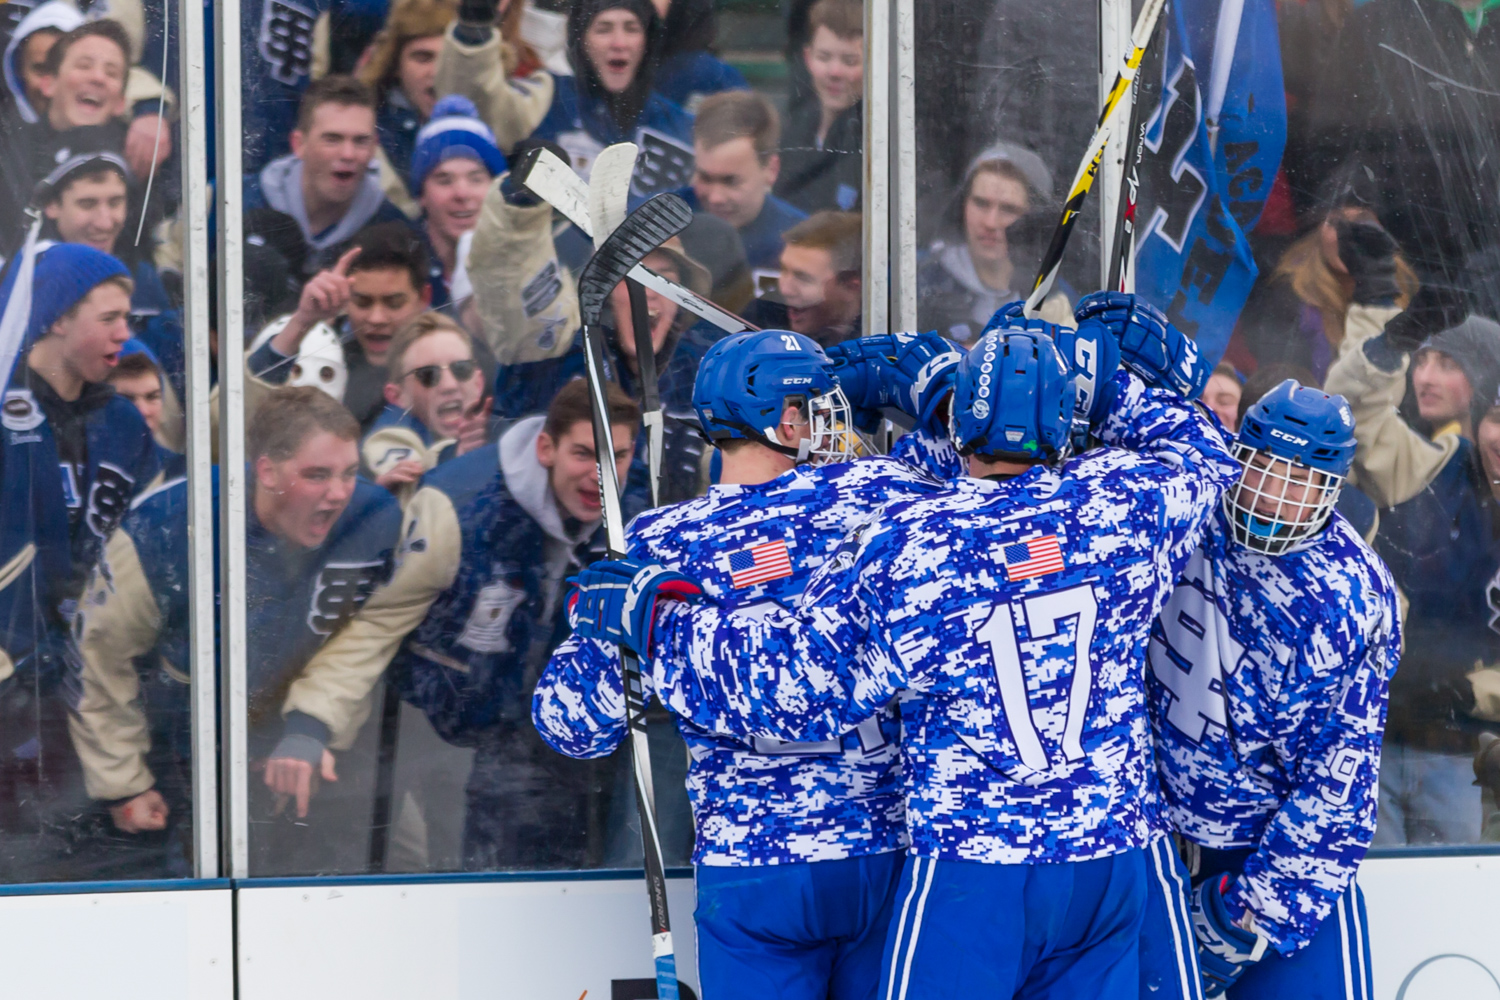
(609, 188)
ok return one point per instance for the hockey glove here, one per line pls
(1094, 353)
(1225, 950)
(615, 600)
(911, 371)
(1368, 253)
(1008, 315)
(1150, 346)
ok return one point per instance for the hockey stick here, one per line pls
(385, 779)
(553, 181)
(609, 198)
(1122, 254)
(1140, 37)
(642, 231)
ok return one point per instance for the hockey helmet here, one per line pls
(1296, 446)
(1013, 398)
(747, 380)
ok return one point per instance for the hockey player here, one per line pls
(1269, 672)
(820, 823)
(1010, 615)
(319, 542)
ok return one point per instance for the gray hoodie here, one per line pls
(281, 186)
(528, 484)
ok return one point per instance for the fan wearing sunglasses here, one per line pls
(437, 403)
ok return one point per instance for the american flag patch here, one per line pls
(1033, 557)
(759, 564)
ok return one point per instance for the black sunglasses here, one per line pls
(430, 375)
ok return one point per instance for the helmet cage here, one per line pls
(830, 422)
(1271, 517)
(832, 437)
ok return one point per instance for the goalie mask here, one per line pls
(1295, 446)
(747, 381)
(320, 358)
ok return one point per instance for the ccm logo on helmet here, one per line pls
(1283, 435)
(797, 381)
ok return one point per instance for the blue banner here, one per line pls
(1215, 132)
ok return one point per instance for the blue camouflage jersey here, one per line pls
(1010, 618)
(1267, 693)
(755, 801)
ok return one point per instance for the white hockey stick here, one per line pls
(609, 200)
(1140, 38)
(642, 231)
(553, 181)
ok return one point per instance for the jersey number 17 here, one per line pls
(1044, 612)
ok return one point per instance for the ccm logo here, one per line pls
(1294, 439)
(798, 381)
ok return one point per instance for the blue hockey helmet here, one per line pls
(1013, 398)
(1296, 445)
(747, 380)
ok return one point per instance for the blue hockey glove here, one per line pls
(1150, 346)
(1007, 316)
(911, 371)
(615, 600)
(1225, 950)
(1094, 353)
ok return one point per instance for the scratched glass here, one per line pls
(95, 713)
(407, 576)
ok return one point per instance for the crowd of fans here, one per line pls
(414, 357)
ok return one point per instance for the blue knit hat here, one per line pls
(455, 130)
(65, 274)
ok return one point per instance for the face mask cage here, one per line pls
(832, 435)
(1277, 504)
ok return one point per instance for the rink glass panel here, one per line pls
(77, 714)
(1397, 111)
(489, 797)
(1013, 88)
(1401, 109)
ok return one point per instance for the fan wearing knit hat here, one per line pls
(74, 449)
(451, 168)
(80, 309)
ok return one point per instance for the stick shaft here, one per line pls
(635, 702)
(1088, 170)
(645, 359)
(1122, 254)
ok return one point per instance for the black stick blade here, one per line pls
(643, 230)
